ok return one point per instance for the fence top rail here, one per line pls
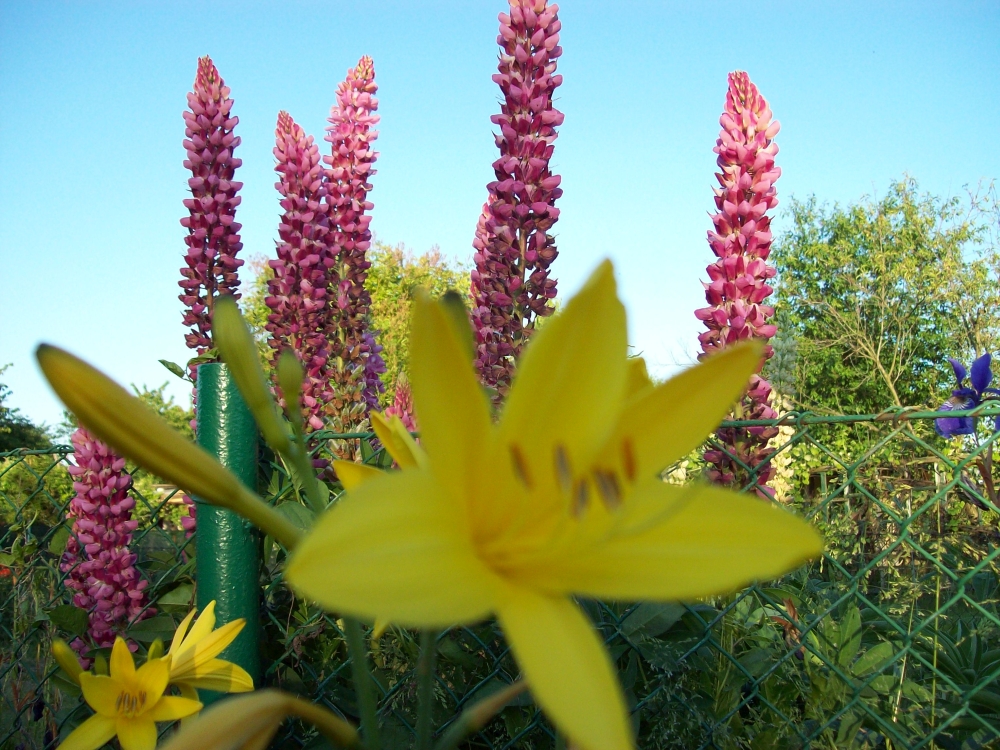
(894, 414)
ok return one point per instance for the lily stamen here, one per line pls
(520, 465)
(611, 491)
(564, 474)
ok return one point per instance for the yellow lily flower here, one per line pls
(192, 656)
(562, 497)
(128, 703)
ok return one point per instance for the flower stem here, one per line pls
(362, 682)
(478, 715)
(425, 688)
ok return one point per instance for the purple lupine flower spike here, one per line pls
(349, 168)
(213, 238)
(98, 563)
(511, 286)
(298, 293)
(738, 284)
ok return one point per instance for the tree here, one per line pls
(16, 430)
(876, 295)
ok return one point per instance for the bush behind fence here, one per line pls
(889, 640)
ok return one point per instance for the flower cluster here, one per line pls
(298, 292)
(967, 397)
(213, 238)
(356, 378)
(739, 278)
(513, 245)
(402, 405)
(100, 567)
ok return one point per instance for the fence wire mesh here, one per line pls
(890, 640)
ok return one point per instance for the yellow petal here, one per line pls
(705, 541)
(393, 548)
(138, 433)
(221, 676)
(569, 387)
(567, 669)
(395, 440)
(122, 664)
(353, 475)
(101, 692)
(179, 635)
(665, 423)
(138, 733)
(188, 662)
(91, 734)
(203, 625)
(152, 677)
(453, 413)
(638, 377)
(171, 708)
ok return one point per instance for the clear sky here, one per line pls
(91, 179)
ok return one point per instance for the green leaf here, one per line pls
(57, 544)
(175, 368)
(69, 619)
(147, 631)
(850, 637)
(182, 596)
(297, 513)
(6, 559)
(652, 619)
(873, 659)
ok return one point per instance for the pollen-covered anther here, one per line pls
(609, 488)
(581, 497)
(129, 704)
(520, 465)
(628, 460)
(564, 474)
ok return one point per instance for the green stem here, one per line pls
(478, 715)
(425, 688)
(362, 682)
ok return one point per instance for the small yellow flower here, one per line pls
(192, 656)
(128, 703)
(562, 498)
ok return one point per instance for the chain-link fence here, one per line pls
(890, 640)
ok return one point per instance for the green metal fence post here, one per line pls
(228, 548)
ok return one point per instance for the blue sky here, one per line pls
(91, 180)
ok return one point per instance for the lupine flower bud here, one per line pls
(299, 292)
(514, 247)
(402, 405)
(738, 280)
(100, 567)
(213, 238)
(356, 363)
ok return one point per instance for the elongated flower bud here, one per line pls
(99, 565)
(357, 362)
(738, 280)
(402, 405)
(514, 246)
(299, 292)
(213, 238)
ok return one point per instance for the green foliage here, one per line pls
(16, 430)
(876, 295)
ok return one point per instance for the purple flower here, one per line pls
(299, 293)
(98, 563)
(514, 246)
(738, 286)
(356, 380)
(213, 238)
(966, 397)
